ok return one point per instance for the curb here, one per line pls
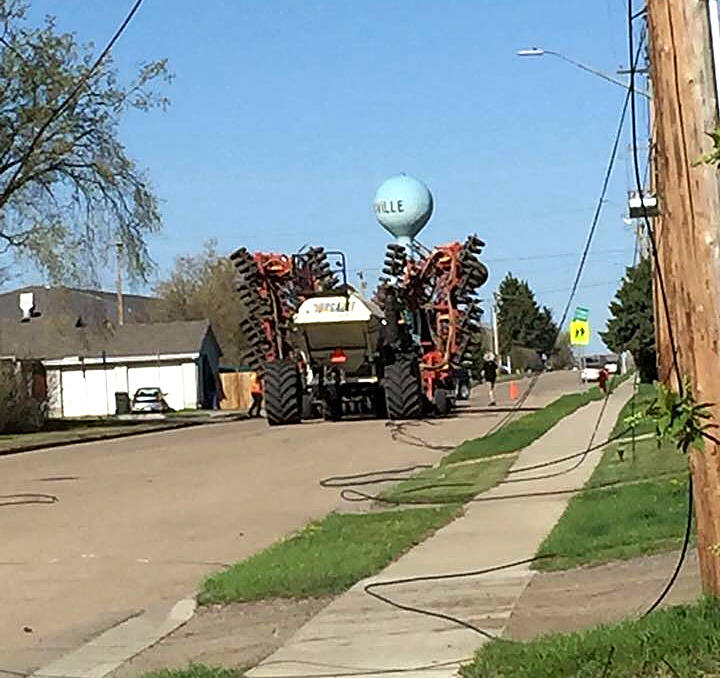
(32, 447)
(111, 649)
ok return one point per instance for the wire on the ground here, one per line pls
(27, 498)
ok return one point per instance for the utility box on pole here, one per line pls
(687, 232)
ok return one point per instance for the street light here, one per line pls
(538, 52)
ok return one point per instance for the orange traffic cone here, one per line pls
(513, 390)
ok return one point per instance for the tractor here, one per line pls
(324, 350)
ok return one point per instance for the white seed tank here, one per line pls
(349, 324)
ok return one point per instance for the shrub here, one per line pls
(23, 406)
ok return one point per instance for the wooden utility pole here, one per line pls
(119, 283)
(688, 235)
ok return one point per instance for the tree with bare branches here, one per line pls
(68, 190)
(202, 286)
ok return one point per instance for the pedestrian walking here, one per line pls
(489, 370)
(256, 392)
(603, 380)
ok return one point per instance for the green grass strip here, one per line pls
(326, 557)
(519, 433)
(644, 396)
(450, 484)
(646, 515)
(678, 641)
(195, 671)
(618, 523)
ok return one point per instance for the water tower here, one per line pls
(403, 206)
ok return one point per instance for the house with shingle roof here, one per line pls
(88, 359)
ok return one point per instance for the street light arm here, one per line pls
(540, 52)
(588, 69)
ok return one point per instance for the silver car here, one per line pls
(149, 399)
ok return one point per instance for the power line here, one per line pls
(535, 257)
(598, 209)
(560, 255)
(603, 283)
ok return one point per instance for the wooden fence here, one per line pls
(236, 390)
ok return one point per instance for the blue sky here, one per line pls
(286, 115)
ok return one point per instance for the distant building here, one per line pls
(88, 359)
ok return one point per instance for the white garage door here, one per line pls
(169, 378)
(143, 377)
(86, 392)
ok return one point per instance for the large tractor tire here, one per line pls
(403, 390)
(283, 394)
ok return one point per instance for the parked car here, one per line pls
(590, 373)
(149, 399)
(612, 368)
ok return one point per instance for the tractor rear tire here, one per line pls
(403, 390)
(283, 395)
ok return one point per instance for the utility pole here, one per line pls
(363, 284)
(688, 236)
(496, 342)
(119, 282)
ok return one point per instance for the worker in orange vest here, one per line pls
(256, 391)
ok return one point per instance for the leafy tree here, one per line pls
(521, 322)
(68, 190)
(632, 327)
(202, 286)
(563, 357)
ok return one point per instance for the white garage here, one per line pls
(180, 358)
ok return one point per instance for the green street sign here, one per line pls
(581, 313)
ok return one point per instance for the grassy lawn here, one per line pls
(645, 516)
(450, 484)
(195, 671)
(621, 522)
(678, 641)
(645, 395)
(521, 432)
(77, 430)
(326, 557)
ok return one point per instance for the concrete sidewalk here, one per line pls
(357, 633)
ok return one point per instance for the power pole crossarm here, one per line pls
(685, 108)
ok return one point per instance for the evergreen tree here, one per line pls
(632, 327)
(521, 321)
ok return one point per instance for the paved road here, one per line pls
(141, 520)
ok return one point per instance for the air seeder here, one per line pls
(324, 350)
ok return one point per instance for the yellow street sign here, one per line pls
(580, 332)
